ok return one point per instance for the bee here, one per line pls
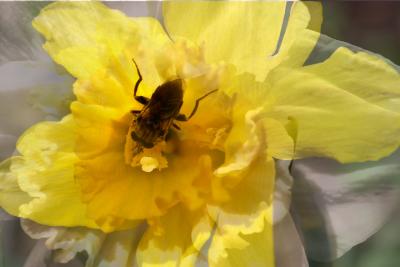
(159, 113)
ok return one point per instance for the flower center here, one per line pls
(150, 125)
(137, 154)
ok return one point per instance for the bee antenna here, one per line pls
(139, 80)
(198, 102)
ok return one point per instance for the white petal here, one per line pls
(339, 206)
(383, 248)
(327, 45)
(104, 250)
(67, 241)
(289, 250)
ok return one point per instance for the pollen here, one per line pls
(148, 159)
(149, 164)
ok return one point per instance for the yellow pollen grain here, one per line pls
(149, 164)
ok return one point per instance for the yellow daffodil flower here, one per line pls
(210, 184)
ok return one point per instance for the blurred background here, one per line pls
(372, 25)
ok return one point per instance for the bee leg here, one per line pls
(176, 126)
(141, 99)
(182, 117)
(135, 112)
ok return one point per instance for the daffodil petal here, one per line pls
(174, 239)
(332, 110)
(382, 248)
(243, 234)
(341, 205)
(46, 173)
(42, 93)
(242, 147)
(235, 249)
(297, 43)
(246, 34)
(136, 194)
(252, 130)
(303, 41)
(103, 174)
(68, 241)
(252, 133)
(93, 35)
(11, 194)
(103, 250)
(279, 143)
(79, 47)
(363, 74)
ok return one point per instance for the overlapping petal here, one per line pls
(341, 205)
(252, 132)
(333, 111)
(243, 225)
(11, 195)
(250, 35)
(95, 35)
(169, 242)
(105, 250)
(46, 173)
(41, 93)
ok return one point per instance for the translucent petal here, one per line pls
(11, 194)
(45, 172)
(252, 133)
(338, 206)
(243, 225)
(174, 239)
(93, 35)
(246, 34)
(333, 103)
(41, 93)
(104, 175)
(103, 250)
